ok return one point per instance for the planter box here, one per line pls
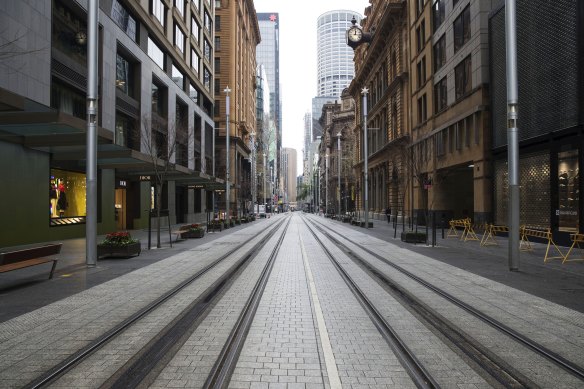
(127, 251)
(193, 234)
(413, 237)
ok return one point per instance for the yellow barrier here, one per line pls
(468, 232)
(489, 235)
(576, 240)
(452, 232)
(525, 244)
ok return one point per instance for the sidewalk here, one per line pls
(28, 289)
(553, 281)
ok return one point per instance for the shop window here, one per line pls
(67, 196)
(568, 191)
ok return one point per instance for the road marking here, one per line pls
(329, 357)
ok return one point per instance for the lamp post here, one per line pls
(339, 164)
(512, 134)
(227, 194)
(318, 198)
(253, 171)
(264, 194)
(326, 169)
(364, 92)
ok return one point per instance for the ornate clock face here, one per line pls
(355, 34)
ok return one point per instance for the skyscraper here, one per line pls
(268, 55)
(334, 56)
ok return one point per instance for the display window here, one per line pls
(568, 191)
(67, 197)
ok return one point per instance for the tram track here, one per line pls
(487, 360)
(415, 369)
(140, 366)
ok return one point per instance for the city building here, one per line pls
(237, 36)
(338, 122)
(335, 68)
(550, 115)
(266, 137)
(289, 168)
(268, 55)
(451, 138)
(155, 110)
(382, 70)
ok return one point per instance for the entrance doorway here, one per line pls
(120, 209)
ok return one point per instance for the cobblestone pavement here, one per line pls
(309, 331)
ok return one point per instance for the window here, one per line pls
(440, 139)
(438, 13)
(180, 6)
(177, 76)
(421, 35)
(208, 23)
(217, 86)
(155, 53)
(195, 59)
(179, 38)
(124, 20)
(217, 3)
(196, 3)
(207, 50)
(207, 78)
(124, 75)
(159, 11)
(68, 100)
(421, 67)
(462, 78)
(419, 6)
(458, 128)
(65, 26)
(217, 43)
(158, 93)
(454, 3)
(195, 29)
(440, 53)
(217, 23)
(440, 97)
(217, 64)
(462, 29)
(194, 94)
(181, 133)
(422, 109)
(126, 134)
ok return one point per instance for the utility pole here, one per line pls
(227, 192)
(364, 91)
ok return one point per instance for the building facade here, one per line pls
(289, 168)
(268, 55)
(335, 68)
(155, 96)
(382, 70)
(237, 34)
(551, 121)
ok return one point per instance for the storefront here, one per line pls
(67, 197)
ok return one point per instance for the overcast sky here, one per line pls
(298, 59)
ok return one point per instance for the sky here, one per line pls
(298, 59)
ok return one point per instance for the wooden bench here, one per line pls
(19, 259)
(179, 232)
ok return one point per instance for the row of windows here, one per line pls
(343, 17)
(458, 135)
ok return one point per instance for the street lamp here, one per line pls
(326, 169)
(339, 172)
(364, 92)
(227, 194)
(264, 194)
(253, 171)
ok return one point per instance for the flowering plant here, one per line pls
(195, 227)
(122, 238)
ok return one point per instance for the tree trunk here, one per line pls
(158, 205)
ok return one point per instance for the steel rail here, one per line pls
(225, 364)
(58, 370)
(560, 361)
(417, 372)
